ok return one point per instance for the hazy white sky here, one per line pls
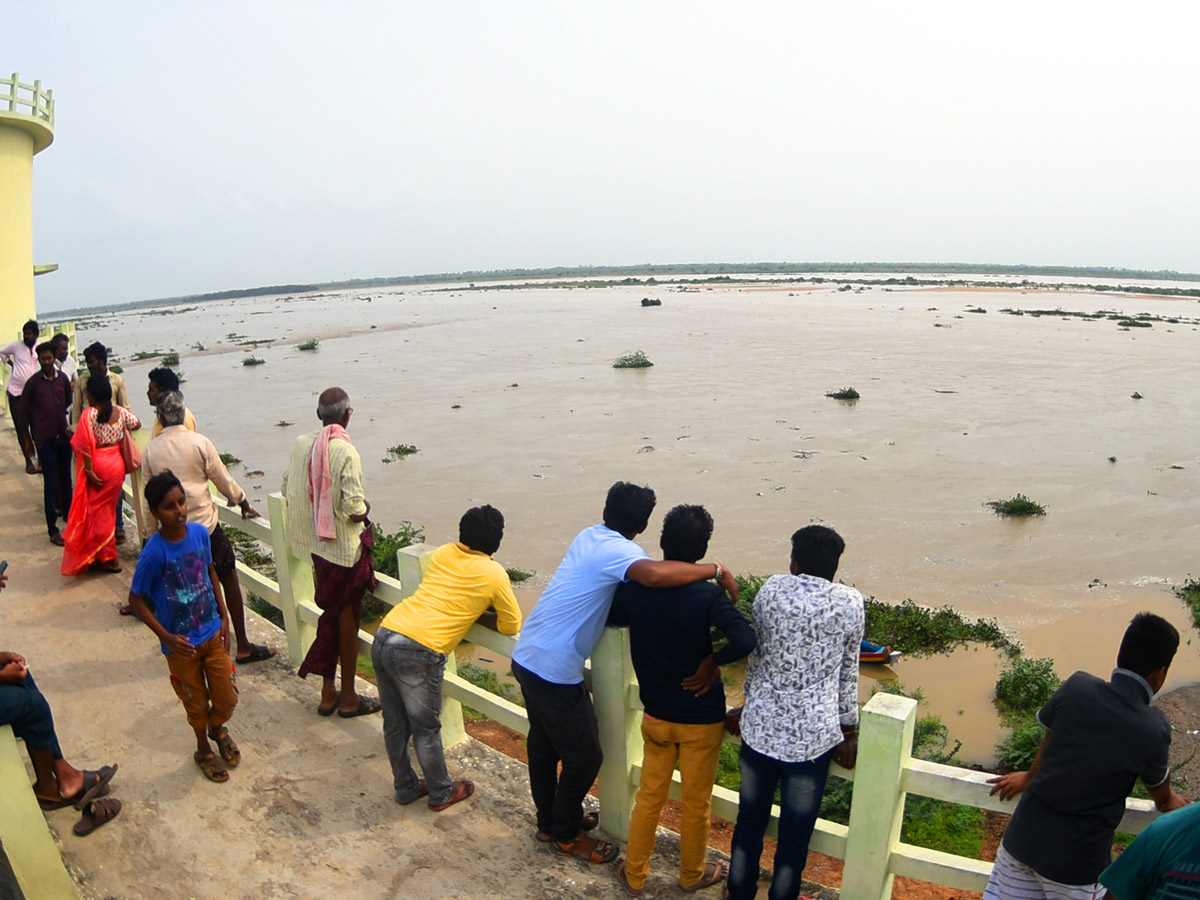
(210, 146)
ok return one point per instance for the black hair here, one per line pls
(482, 528)
(165, 379)
(159, 486)
(817, 551)
(627, 507)
(31, 325)
(99, 388)
(44, 347)
(97, 350)
(1149, 644)
(60, 338)
(685, 533)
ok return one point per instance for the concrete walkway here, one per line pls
(309, 812)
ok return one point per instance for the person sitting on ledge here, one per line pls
(1101, 736)
(196, 462)
(462, 585)
(327, 519)
(558, 637)
(57, 784)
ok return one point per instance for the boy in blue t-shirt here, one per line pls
(177, 593)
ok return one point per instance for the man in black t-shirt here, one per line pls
(1101, 737)
(684, 699)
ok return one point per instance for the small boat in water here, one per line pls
(877, 653)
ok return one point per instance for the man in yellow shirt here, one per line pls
(163, 381)
(463, 585)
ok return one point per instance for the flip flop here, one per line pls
(366, 706)
(229, 750)
(95, 784)
(424, 793)
(714, 871)
(212, 769)
(95, 814)
(322, 711)
(127, 610)
(461, 791)
(258, 653)
(623, 880)
(590, 821)
(589, 849)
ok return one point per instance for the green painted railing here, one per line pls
(27, 100)
(885, 774)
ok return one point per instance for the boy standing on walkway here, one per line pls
(176, 592)
(684, 699)
(560, 634)
(462, 585)
(1101, 737)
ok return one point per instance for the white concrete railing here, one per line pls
(886, 772)
(27, 99)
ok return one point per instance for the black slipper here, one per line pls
(258, 653)
(322, 711)
(366, 706)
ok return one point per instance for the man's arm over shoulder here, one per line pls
(673, 573)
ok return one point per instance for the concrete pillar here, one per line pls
(620, 730)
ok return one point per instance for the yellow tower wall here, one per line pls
(16, 231)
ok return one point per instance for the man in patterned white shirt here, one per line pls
(801, 709)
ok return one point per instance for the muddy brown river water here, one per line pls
(511, 397)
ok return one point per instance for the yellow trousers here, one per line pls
(697, 748)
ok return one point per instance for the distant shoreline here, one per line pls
(654, 275)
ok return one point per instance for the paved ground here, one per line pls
(309, 811)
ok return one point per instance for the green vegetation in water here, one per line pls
(282, 423)
(229, 459)
(399, 451)
(386, 545)
(1112, 459)
(516, 576)
(1136, 396)
(1019, 507)
(651, 301)
(170, 359)
(145, 354)
(1189, 593)
(976, 309)
(920, 631)
(199, 347)
(1134, 323)
(1026, 685)
(846, 393)
(635, 360)
(310, 344)
(115, 369)
(253, 361)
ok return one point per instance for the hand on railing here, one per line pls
(1008, 786)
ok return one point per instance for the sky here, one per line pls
(204, 147)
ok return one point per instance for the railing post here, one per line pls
(295, 578)
(412, 561)
(620, 729)
(877, 810)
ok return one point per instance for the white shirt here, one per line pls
(24, 363)
(802, 678)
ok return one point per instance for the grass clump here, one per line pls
(310, 344)
(229, 459)
(846, 393)
(516, 576)
(1135, 396)
(399, 451)
(635, 360)
(386, 545)
(1026, 685)
(1189, 593)
(144, 354)
(1019, 507)
(170, 360)
(115, 369)
(920, 631)
(253, 361)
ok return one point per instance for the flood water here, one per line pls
(512, 400)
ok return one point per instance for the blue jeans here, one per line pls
(800, 785)
(409, 678)
(25, 708)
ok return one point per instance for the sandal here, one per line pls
(461, 791)
(212, 769)
(31, 469)
(589, 849)
(623, 880)
(258, 653)
(590, 821)
(57, 540)
(366, 707)
(127, 610)
(424, 792)
(714, 871)
(95, 814)
(229, 750)
(95, 784)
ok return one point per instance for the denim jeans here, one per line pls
(562, 728)
(801, 785)
(55, 459)
(409, 678)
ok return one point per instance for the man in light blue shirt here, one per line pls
(557, 639)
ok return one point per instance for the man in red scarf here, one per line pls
(327, 518)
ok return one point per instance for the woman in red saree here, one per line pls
(90, 535)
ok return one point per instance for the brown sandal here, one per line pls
(96, 813)
(589, 849)
(590, 821)
(714, 871)
(461, 790)
(212, 769)
(229, 750)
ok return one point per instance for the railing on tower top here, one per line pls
(27, 99)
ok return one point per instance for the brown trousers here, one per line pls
(206, 683)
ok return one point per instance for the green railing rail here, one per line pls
(22, 99)
(885, 774)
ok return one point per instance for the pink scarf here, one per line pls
(320, 481)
